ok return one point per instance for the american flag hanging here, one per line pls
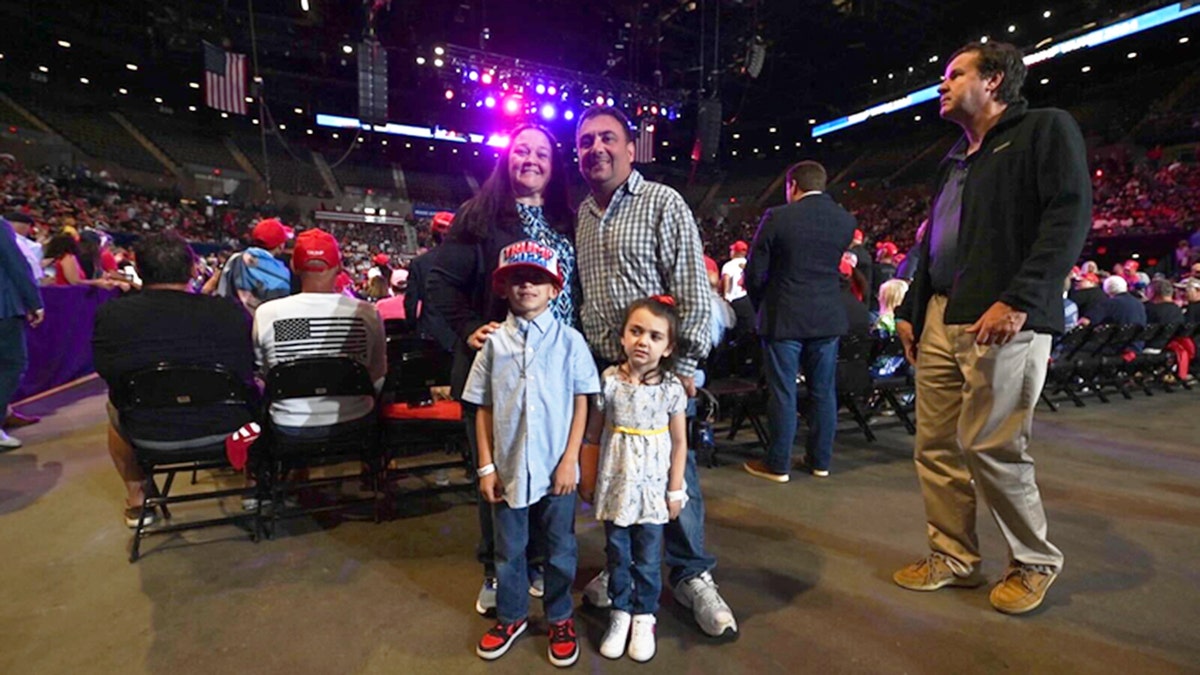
(643, 152)
(224, 80)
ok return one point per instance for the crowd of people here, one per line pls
(580, 335)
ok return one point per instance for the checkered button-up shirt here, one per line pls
(646, 243)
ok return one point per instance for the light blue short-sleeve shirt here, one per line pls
(529, 373)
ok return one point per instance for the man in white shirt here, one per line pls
(733, 287)
(319, 322)
(22, 224)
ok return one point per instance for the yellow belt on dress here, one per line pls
(639, 432)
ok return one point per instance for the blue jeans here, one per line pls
(818, 359)
(634, 566)
(13, 358)
(554, 518)
(485, 550)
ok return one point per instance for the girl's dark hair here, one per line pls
(61, 243)
(495, 205)
(663, 310)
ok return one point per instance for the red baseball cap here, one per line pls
(382, 259)
(316, 249)
(271, 232)
(740, 246)
(442, 221)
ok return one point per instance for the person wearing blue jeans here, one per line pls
(794, 282)
(20, 303)
(554, 517)
(817, 359)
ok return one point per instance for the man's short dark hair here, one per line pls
(613, 112)
(164, 258)
(999, 57)
(808, 176)
(1162, 288)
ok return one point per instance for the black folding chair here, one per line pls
(413, 423)
(894, 386)
(1086, 362)
(1061, 371)
(854, 384)
(168, 386)
(1113, 370)
(349, 441)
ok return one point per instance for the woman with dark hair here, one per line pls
(64, 250)
(525, 197)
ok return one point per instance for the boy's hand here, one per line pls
(491, 489)
(564, 479)
(674, 509)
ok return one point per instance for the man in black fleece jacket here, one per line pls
(1012, 208)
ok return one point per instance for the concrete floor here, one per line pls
(806, 566)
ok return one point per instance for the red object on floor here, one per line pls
(450, 411)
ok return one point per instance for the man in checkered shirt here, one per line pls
(636, 239)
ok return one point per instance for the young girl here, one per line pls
(635, 479)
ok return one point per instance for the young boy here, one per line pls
(531, 380)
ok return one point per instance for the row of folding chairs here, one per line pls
(1100, 360)
(406, 422)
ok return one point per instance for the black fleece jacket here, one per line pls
(1027, 208)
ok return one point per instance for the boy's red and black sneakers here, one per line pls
(499, 638)
(564, 647)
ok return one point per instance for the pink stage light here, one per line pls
(512, 105)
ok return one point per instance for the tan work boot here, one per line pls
(933, 572)
(1022, 588)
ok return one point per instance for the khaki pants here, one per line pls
(974, 421)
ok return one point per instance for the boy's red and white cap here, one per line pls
(527, 254)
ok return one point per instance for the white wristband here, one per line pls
(485, 470)
(677, 495)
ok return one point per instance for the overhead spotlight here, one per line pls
(551, 90)
(548, 112)
(736, 136)
(733, 152)
(910, 69)
(64, 44)
(191, 108)
(1045, 80)
(1085, 69)
(874, 80)
(84, 80)
(438, 63)
(486, 78)
(131, 66)
(665, 143)
(653, 110)
(777, 148)
(540, 88)
(1183, 40)
(303, 5)
(772, 130)
(43, 69)
(1046, 14)
(1012, 29)
(798, 144)
(1131, 55)
(820, 140)
(309, 132)
(335, 136)
(569, 115)
(225, 116)
(473, 76)
(347, 49)
(383, 142)
(463, 104)
(608, 101)
(158, 100)
(599, 100)
(193, 85)
(933, 59)
(449, 94)
(440, 51)
(122, 91)
(984, 39)
(490, 102)
(812, 120)
(420, 60)
(512, 105)
(891, 76)
(253, 121)
(249, 99)
(283, 127)
(916, 118)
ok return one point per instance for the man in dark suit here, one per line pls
(419, 313)
(20, 304)
(793, 281)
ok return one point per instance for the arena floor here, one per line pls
(806, 567)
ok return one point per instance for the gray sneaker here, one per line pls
(485, 604)
(708, 607)
(596, 591)
(537, 585)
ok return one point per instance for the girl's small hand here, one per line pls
(491, 489)
(564, 479)
(481, 334)
(674, 509)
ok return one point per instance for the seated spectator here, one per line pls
(258, 274)
(1087, 294)
(1161, 307)
(1120, 307)
(63, 249)
(891, 294)
(394, 307)
(1192, 288)
(166, 322)
(1070, 309)
(857, 316)
(885, 265)
(319, 322)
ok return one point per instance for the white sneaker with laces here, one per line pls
(485, 603)
(596, 591)
(613, 644)
(641, 638)
(708, 607)
(8, 442)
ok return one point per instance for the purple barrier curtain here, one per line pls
(60, 350)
